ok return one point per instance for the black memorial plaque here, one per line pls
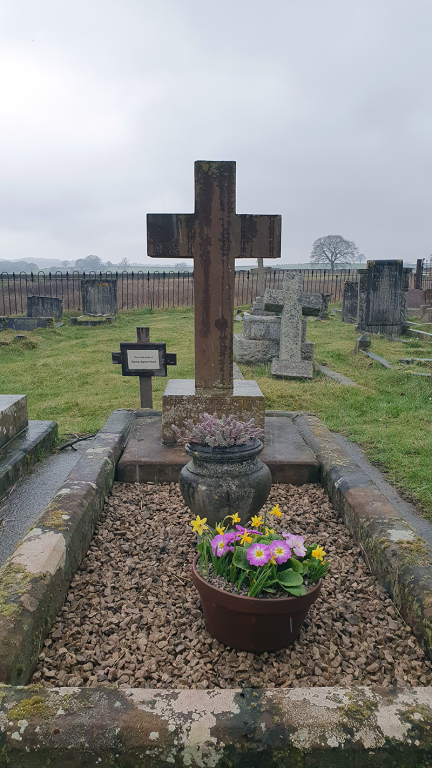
(143, 359)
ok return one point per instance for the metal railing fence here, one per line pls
(158, 289)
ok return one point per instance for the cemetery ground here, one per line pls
(132, 621)
(68, 376)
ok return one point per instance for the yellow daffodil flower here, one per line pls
(276, 511)
(220, 529)
(256, 521)
(319, 554)
(235, 518)
(199, 525)
(245, 538)
(269, 530)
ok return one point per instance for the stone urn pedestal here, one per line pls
(221, 481)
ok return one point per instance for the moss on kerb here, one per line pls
(53, 518)
(360, 707)
(14, 580)
(415, 552)
(36, 706)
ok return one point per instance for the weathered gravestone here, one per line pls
(44, 306)
(350, 302)
(295, 352)
(316, 305)
(383, 288)
(259, 342)
(214, 236)
(99, 297)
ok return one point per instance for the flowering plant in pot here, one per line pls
(225, 472)
(256, 585)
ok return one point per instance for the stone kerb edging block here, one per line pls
(284, 728)
(34, 581)
(401, 560)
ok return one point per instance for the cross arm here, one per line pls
(171, 235)
(258, 236)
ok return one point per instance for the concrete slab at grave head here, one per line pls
(213, 236)
(383, 288)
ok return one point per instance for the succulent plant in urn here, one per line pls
(225, 474)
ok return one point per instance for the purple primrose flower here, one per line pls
(280, 551)
(258, 554)
(296, 543)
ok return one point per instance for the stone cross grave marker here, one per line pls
(144, 359)
(214, 236)
(291, 362)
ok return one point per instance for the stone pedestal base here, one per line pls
(255, 351)
(292, 370)
(179, 403)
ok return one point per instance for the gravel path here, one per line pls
(133, 617)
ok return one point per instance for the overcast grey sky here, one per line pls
(326, 105)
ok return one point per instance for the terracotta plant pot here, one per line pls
(252, 623)
(221, 481)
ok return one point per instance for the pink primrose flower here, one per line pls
(296, 543)
(258, 554)
(219, 545)
(280, 551)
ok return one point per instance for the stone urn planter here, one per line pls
(252, 624)
(220, 481)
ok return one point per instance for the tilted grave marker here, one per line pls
(145, 359)
(213, 236)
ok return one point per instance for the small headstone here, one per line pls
(99, 297)
(44, 306)
(311, 304)
(324, 311)
(290, 363)
(383, 288)
(363, 342)
(350, 302)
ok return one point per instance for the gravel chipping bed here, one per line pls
(133, 618)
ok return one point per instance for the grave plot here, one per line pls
(132, 617)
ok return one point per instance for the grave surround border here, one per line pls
(134, 728)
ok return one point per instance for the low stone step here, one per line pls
(13, 417)
(24, 450)
(145, 459)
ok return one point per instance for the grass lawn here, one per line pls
(68, 376)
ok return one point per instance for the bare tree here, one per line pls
(333, 249)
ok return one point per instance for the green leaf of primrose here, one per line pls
(296, 565)
(296, 591)
(240, 559)
(289, 578)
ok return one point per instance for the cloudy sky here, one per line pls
(326, 105)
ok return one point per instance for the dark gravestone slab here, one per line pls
(44, 306)
(25, 323)
(99, 297)
(350, 302)
(383, 288)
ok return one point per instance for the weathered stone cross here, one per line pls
(214, 236)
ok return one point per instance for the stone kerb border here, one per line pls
(34, 581)
(144, 728)
(396, 554)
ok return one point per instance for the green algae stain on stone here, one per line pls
(360, 707)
